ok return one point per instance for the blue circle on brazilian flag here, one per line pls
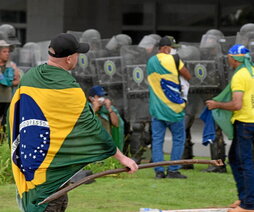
(200, 71)
(109, 67)
(83, 61)
(138, 75)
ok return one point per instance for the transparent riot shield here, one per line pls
(206, 73)
(15, 54)
(108, 64)
(209, 71)
(227, 43)
(43, 45)
(85, 71)
(250, 42)
(206, 65)
(29, 56)
(136, 101)
(109, 75)
(136, 92)
(251, 48)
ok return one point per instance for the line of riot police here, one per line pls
(120, 68)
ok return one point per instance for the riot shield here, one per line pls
(84, 71)
(251, 48)
(205, 63)
(136, 101)
(109, 75)
(109, 68)
(208, 79)
(29, 56)
(227, 43)
(43, 45)
(136, 92)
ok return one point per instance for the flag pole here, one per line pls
(63, 191)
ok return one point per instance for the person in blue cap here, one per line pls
(108, 114)
(241, 104)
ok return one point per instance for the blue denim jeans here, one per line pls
(178, 139)
(241, 162)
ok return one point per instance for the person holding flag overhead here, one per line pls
(241, 104)
(54, 132)
(166, 105)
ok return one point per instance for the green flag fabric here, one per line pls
(223, 117)
(117, 133)
(53, 134)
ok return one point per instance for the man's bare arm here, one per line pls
(126, 161)
(185, 73)
(235, 104)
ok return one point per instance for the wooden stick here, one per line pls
(116, 171)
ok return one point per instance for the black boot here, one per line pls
(188, 146)
(218, 150)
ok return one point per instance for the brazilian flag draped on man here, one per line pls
(53, 134)
(166, 102)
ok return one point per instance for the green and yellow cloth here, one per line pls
(53, 134)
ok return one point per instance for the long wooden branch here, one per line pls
(116, 171)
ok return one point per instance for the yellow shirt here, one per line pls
(243, 82)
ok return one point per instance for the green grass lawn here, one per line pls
(129, 193)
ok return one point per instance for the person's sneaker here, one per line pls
(175, 174)
(160, 175)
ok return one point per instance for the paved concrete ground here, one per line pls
(186, 210)
(198, 148)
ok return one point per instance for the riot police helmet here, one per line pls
(90, 35)
(10, 33)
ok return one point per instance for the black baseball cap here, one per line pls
(168, 41)
(65, 44)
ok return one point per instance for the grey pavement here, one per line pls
(188, 210)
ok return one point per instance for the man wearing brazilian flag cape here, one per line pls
(53, 131)
(166, 105)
